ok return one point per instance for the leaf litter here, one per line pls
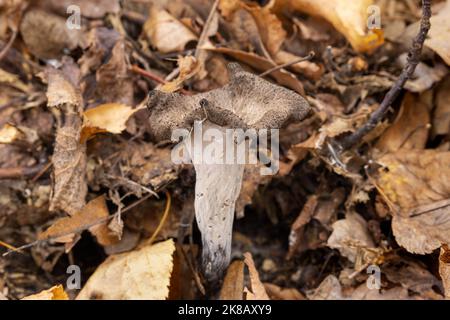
(86, 175)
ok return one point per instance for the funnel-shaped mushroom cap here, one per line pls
(248, 101)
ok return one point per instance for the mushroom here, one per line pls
(247, 102)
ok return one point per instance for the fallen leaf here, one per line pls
(109, 117)
(91, 217)
(439, 33)
(143, 274)
(261, 64)
(349, 234)
(233, 283)
(441, 116)
(411, 275)
(444, 269)
(114, 83)
(410, 128)
(278, 293)
(424, 76)
(46, 34)
(270, 27)
(329, 289)
(321, 208)
(364, 293)
(415, 186)
(258, 291)
(94, 9)
(54, 293)
(165, 32)
(69, 155)
(189, 67)
(350, 20)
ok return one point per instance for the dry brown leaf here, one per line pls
(250, 182)
(90, 217)
(258, 291)
(233, 283)
(54, 293)
(320, 207)
(424, 77)
(349, 235)
(114, 83)
(410, 128)
(261, 64)
(277, 293)
(444, 269)
(108, 117)
(439, 34)
(88, 8)
(46, 34)
(348, 17)
(416, 187)
(69, 155)
(165, 32)
(441, 116)
(189, 67)
(411, 275)
(364, 293)
(329, 289)
(269, 26)
(143, 274)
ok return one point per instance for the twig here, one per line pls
(8, 45)
(287, 64)
(204, 34)
(134, 68)
(163, 219)
(147, 74)
(19, 172)
(407, 72)
(77, 230)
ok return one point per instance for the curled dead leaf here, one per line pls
(258, 292)
(165, 32)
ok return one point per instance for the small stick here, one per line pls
(163, 219)
(8, 45)
(203, 35)
(18, 172)
(287, 64)
(407, 72)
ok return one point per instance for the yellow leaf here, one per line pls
(109, 117)
(143, 274)
(54, 293)
(349, 17)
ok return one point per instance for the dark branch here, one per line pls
(408, 70)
